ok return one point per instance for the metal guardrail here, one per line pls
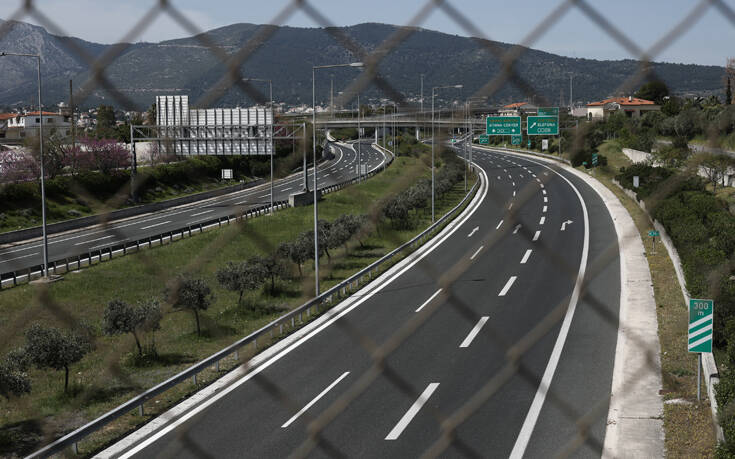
(64, 265)
(338, 291)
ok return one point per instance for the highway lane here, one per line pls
(511, 278)
(343, 167)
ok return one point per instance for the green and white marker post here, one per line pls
(653, 234)
(701, 315)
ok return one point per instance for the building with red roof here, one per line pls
(631, 106)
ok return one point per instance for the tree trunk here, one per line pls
(273, 283)
(301, 274)
(239, 300)
(196, 316)
(66, 378)
(137, 342)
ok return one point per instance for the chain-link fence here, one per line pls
(44, 302)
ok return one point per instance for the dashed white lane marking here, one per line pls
(541, 185)
(474, 332)
(544, 209)
(95, 240)
(476, 252)
(429, 300)
(202, 213)
(514, 193)
(543, 191)
(498, 177)
(314, 400)
(536, 236)
(510, 206)
(508, 285)
(24, 256)
(546, 199)
(542, 221)
(501, 222)
(157, 224)
(412, 412)
(525, 256)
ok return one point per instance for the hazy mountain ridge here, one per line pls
(186, 66)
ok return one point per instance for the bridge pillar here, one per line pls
(418, 133)
(376, 135)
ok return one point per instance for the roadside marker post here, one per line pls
(701, 320)
(653, 234)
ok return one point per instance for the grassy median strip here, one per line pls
(687, 423)
(113, 373)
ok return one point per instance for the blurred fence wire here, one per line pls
(233, 77)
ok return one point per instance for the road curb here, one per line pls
(635, 415)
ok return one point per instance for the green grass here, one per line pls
(689, 429)
(111, 374)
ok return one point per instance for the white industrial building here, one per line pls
(214, 131)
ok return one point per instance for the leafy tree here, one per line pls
(120, 317)
(714, 166)
(396, 210)
(189, 294)
(49, 347)
(105, 121)
(13, 379)
(238, 277)
(654, 90)
(271, 268)
(298, 251)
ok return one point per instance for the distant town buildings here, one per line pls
(517, 109)
(16, 126)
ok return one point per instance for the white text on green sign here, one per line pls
(548, 111)
(503, 125)
(700, 325)
(543, 125)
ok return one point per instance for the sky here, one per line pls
(708, 41)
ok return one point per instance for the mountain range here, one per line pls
(141, 71)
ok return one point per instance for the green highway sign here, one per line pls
(653, 233)
(529, 143)
(543, 125)
(548, 111)
(483, 138)
(516, 139)
(700, 325)
(503, 125)
(594, 159)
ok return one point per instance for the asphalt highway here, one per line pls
(343, 167)
(513, 265)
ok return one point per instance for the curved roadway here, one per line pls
(512, 292)
(28, 255)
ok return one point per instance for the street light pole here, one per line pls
(273, 120)
(40, 143)
(433, 141)
(313, 146)
(359, 147)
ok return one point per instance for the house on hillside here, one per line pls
(631, 106)
(517, 109)
(27, 124)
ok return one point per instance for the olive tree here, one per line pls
(121, 317)
(50, 347)
(241, 276)
(13, 378)
(191, 294)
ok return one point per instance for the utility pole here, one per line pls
(73, 121)
(571, 100)
(331, 95)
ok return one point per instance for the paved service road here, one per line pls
(342, 167)
(518, 256)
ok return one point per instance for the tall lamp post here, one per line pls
(433, 140)
(40, 143)
(313, 146)
(273, 120)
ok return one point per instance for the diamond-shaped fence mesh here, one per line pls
(445, 277)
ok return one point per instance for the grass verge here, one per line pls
(112, 373)
(688, 424)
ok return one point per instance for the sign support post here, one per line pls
(701, 316)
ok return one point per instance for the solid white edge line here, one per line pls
(525, 256)
(476, 252)
(412, 412)
(423, 305)
(508, 285)
(95, 240)
(311, 330)
(202, 213)
(474, 332)
(524, 436)
(314, 400)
